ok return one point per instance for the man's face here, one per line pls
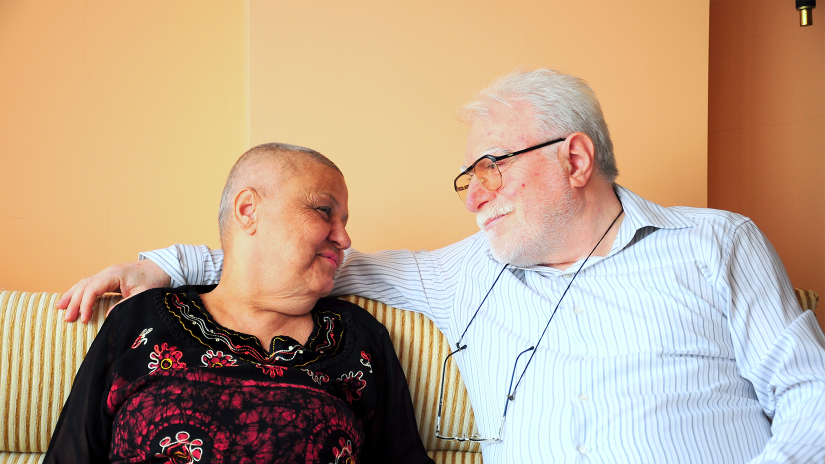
(527, 219)
(302, 226)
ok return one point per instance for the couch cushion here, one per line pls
(807, 298)
(38, 362)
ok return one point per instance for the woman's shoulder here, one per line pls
(360, 316)
(138, 305)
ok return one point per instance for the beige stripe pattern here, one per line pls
(807, 298)
(40, 355)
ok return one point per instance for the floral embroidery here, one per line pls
(272, 371)
(181, 451)
(353, 384)
(344, 455)
(365, 360)
(217, 359)
(165, 357)
(141, 340)
(318, 377)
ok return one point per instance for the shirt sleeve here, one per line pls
(84, 429)
(779, 348)
(423, 281)
(188, 264)
(393, 433)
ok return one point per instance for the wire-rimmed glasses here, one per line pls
(511, 390)
(486, 170)
(475, 437)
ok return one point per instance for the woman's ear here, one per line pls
(579, 159)
(247, 203)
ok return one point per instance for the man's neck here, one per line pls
(595, 232)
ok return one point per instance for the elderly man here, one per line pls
(603, 327)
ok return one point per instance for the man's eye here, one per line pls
(326, 210)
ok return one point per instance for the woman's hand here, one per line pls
(127, 278)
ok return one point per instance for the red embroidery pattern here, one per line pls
(181, 451)
(318, 377)
(353, 384)
(165, 357)
(217, 359)
(365, 360)
(272, 371)
(141, 340)
(344, 455)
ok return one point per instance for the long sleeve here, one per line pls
(188, 264)
(423, 281)
(83, 432)
(780, 349)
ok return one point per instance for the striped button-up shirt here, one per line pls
(685, 344)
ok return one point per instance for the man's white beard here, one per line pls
(535, 238)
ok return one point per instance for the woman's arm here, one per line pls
(83, 432)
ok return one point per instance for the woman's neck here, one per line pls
(262, 315)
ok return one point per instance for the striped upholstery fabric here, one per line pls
(807, 298)
(38, 361)
(40, 355)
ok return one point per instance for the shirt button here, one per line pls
(584, 397)
(578, 310)
(568, 276)
(587, 358)
(583, 449)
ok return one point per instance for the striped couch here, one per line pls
(40, 355)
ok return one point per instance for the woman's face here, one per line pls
(303, 235)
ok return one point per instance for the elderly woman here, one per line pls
(260, 368)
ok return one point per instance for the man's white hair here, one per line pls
(255, 163)
(562, 104)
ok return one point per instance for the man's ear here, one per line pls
(578, 159)
(247, 202)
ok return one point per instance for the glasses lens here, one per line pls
(487, 173)
(454, 425)
(462, 185)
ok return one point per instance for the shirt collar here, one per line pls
(639, 213)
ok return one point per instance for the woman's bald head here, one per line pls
(264, 168)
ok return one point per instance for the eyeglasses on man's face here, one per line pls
(485, 169)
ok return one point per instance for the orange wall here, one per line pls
(118, 124)
(375, 86)
(766, 128)
(119, 120)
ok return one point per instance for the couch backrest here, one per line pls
(40, 355)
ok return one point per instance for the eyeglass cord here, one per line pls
(512, 394)
(512, 391)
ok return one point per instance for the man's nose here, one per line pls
(477, 195)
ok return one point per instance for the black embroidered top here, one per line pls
(163, 382)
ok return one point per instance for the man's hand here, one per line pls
(127, 278)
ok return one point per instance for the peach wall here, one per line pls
(118, 122)
(766, 128)
(375, 86)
